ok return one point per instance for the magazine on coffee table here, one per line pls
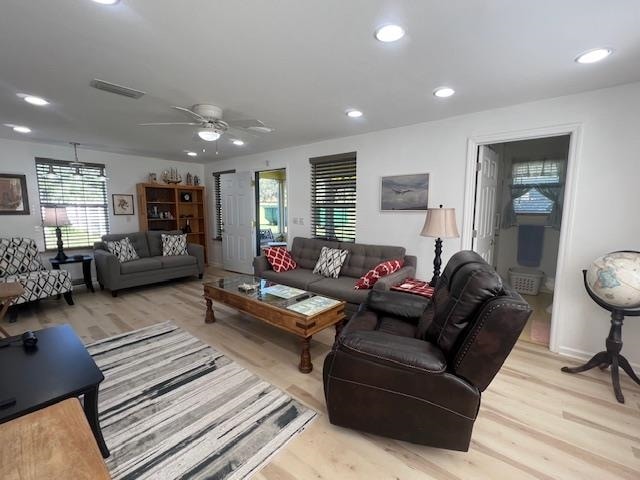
(283, 291)
(313, 305)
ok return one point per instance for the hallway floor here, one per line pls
(538, 328)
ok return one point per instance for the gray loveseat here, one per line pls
(151, 267)
(361, 258)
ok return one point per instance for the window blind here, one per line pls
(218, 206)
(535, 174)
(333, 197)
(84, 196)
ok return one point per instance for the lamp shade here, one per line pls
(440, 223)
(55, 217)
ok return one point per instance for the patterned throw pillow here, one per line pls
(330, 262)
(123, 249)
(174, 245)
(280, 259)
(18, 255)
(369, 279)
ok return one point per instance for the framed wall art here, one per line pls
(122, 204)
(404, 193)
(14, 199)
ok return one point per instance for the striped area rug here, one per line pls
(172, 407)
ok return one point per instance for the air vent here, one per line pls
(117, 89)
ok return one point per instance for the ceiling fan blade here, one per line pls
(252, 124)
(167, 123)
(240, 133)
(192, 114)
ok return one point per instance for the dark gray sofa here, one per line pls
(361, 258)
(152, 266)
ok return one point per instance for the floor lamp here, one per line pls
(57, 217)
(440, 223)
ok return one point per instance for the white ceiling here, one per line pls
(296, 65)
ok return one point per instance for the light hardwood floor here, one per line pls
(534, 422)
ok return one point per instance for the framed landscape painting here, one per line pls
(404, 193)
(14, 199)
(122, 204)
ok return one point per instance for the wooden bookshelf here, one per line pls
(155, 199)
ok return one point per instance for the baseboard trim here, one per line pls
(584, 356)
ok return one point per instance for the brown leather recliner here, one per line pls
(412, 369)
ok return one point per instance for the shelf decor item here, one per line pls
(171, 176)
(14, 199)
(613, 282)
(404, 193)
(440, 223)
(189, 179)
(122, 204)
(57, 217)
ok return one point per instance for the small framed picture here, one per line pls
(122, 204)
(14, 199)
(408, 193)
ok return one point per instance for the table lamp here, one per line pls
(57, 217)
(440, 223)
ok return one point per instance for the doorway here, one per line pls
(271, 208)
(236, 227)
(517, 219)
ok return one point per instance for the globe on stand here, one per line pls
(613, 282)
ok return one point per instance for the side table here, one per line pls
(8, 293)
(86, 267)
(59, 367)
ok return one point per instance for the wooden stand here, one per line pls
(437, 262)
(611, 356)
(157, 201)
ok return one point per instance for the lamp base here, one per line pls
(61, 257)
(437, 263)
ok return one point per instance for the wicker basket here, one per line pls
(525, 280)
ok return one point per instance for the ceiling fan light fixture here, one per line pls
(237, 142)
(192, 154)
(33, 99)
(21, 129)
(209, 134)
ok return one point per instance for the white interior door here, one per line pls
(237, 222)
(484, 223)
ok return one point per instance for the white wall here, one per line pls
(124, 171)
(605, 197)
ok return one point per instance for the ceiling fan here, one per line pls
(211, 125)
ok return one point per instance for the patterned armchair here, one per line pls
(20, 262)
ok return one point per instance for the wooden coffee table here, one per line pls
(274, 310)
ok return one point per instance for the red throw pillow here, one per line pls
(280, 259)
(369, 279)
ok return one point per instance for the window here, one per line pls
(218, 207)
(84, 196)
(532, 178)
(333, 197)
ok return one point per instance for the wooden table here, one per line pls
(8, 294)
(55, 442)
(274, 311)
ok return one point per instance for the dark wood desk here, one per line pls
(86, 267)
(59, 368)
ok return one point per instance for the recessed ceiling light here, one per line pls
(33, 100)
(593, 56)
(390, 33)
(443, 92)
(238, 142)
(192, 154)
(20, 129)
(354, 113)
(106, 2)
